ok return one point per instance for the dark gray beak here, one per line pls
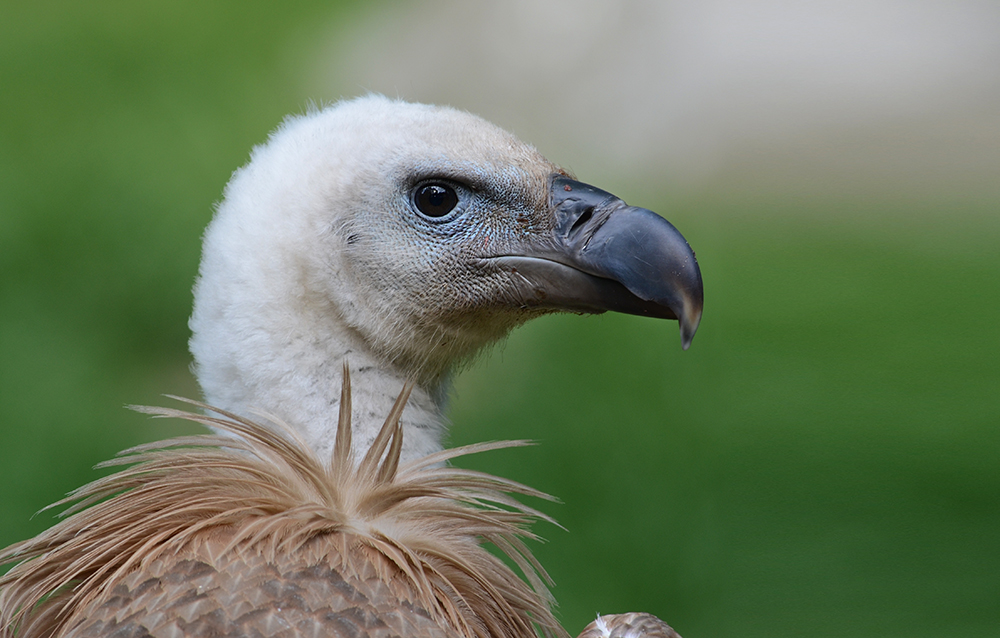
(605, 255)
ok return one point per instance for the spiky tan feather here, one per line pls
(252, 534)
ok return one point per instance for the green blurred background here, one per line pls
(824, 461)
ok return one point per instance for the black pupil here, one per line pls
(436, 200)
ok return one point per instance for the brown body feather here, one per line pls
(252, 535)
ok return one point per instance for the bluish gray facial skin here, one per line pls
(605, 255)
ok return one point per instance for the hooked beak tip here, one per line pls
(689, 320)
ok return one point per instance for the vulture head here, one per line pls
(404, 238)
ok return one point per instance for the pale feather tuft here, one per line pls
(631, 625)
(268, 491)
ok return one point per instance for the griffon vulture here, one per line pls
(392, 241)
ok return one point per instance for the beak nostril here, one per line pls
(581, 220)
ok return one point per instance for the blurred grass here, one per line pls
(823, 461)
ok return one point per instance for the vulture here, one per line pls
(364, 254)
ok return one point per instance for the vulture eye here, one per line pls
(435, 199)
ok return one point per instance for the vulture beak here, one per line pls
(605, 255)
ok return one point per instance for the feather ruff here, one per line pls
(269, 493)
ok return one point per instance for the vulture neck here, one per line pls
(263, 344)
(298, 378)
